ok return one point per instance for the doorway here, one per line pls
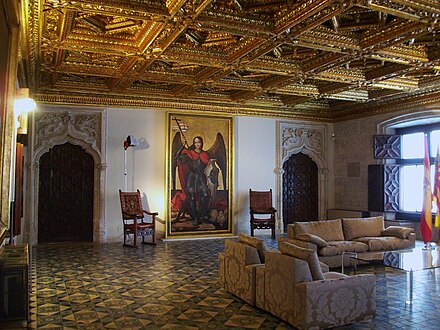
(65, 197)
(300, 189)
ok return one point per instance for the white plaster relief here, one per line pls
(295, 139)
(83, 127)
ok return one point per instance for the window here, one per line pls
(412, 171)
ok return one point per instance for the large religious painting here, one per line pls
(199, 175)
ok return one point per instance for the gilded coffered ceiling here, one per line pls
(322, 60)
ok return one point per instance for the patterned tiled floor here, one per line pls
(173, 285)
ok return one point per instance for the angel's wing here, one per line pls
(218, 151)
(176, 146)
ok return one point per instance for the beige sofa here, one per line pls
(288, 289)
(293, 285)
(330, 238)
(238, 266)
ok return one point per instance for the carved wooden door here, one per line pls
(65, 199)
(300, 189)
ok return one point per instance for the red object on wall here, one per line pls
(18, 204)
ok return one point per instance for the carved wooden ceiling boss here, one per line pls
(324, 60)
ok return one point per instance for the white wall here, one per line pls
(255, 161)
(145, 163)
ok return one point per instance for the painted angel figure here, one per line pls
(198, 174)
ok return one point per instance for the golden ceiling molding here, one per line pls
(319, 58)
(178, 105)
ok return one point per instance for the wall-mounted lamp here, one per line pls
(22, 106)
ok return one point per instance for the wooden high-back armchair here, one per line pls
(133, 219)
(261, 211)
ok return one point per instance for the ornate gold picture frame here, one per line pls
(199, 175)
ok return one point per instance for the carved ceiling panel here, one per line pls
(311, 59)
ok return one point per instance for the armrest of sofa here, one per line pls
(297, 242)
(397, 231)
(333, 302)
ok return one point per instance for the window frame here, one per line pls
(427, 129)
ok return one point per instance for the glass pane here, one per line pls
(411, 188)
(412, 146)
(435, 142)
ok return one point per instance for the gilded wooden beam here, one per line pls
(310, 56)
(334, 88)
(293, 99)
(286, 18)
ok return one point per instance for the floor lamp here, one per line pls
(131, 141)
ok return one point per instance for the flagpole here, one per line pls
(436, 195)
(426, 215)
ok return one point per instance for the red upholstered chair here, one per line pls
(261, 211)
(133, 219)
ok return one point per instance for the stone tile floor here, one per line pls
(173, 285)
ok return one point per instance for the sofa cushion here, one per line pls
(362, 227)
(337, 247)
(397, 231)
(385, 243)
(304, 254)
(328, 230)
(257, 243)
(312, 239)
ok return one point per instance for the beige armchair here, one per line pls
(297, 291)
(238, 264)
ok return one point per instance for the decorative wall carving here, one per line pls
(295, 139)
(83, 127)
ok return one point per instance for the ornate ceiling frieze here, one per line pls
(308, 59)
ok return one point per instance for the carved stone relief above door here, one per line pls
(56, 126)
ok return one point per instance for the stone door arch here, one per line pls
(56, 126)
(309, 139)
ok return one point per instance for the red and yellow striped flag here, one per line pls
(426, 218)
(436, 195)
